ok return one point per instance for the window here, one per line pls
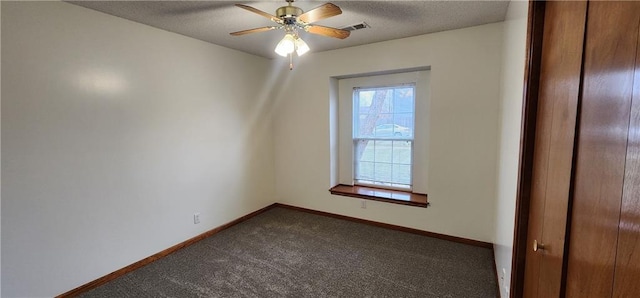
(383, 122)
(379, 132)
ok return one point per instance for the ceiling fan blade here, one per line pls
(321, 12)
(260, 12)
(327, 31)
(255, 30)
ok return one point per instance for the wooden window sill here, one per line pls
(382, 195)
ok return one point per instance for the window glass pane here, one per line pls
(403, 100)
(384, 112)
(401, 152)
(365, 170)
(383, 151)
(401, 174)
(365, 151)
(382, 162)
(382, 172)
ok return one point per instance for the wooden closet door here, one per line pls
(610, 53)
(560, 70)
(627, 273)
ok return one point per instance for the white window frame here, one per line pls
(420, 161)
(356, 139)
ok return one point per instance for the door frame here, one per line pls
(535, 28)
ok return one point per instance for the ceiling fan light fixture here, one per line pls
(301, 47)
(286, 46)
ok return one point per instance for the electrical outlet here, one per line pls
(196, 218)
(363, 204)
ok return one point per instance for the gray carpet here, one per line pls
(286, 253)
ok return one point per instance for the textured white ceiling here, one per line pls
(212, 21)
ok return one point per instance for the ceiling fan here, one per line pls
(291, 19)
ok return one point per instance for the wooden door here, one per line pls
(584, 198)
(603, 166)
(627, 272)
(560, 70)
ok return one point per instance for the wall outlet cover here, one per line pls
(196, 218)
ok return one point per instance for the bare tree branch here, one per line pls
(369, 123)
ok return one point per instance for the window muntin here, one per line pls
(383, 125)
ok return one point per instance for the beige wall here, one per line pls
(513, 64)
(113, 135)
(463, 134)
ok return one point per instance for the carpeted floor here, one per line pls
(286, 253)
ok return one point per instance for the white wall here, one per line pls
(513, 65)
(113, 135)
(465, 89)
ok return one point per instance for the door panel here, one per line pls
(627, 272)
(557, 107)
(610, 52)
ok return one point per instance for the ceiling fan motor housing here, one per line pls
(291, 18)
(289, 13)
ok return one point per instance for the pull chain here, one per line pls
(291, 61)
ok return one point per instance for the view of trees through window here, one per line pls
(383, 135)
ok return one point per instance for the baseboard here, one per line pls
(392, 227)
(113, 275)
